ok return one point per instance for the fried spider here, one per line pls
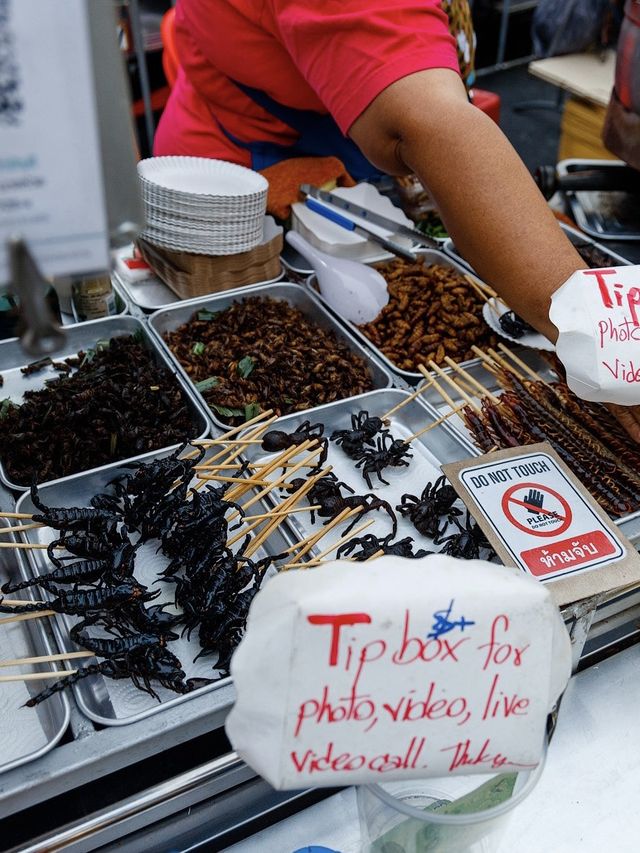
(370, 545)
(434, 504)
(389, 452)
(468, 542)
(363, 430)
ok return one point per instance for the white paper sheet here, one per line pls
(442, 666)
(597, 313)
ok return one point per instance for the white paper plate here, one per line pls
(495, 308)
(200, 176)
(331, 238)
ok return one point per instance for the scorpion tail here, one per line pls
(16, 587)
(62, 683)
(35, 499)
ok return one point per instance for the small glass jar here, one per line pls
(93, 298)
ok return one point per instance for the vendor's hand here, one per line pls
(628, 417)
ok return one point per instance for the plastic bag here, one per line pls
(574, 26)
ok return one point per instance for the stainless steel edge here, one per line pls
(37, 642)
(572, 233)
(84, 335)
(134, 289)
(434, 256)
(111, 749)
(296, 295)
(142, 808)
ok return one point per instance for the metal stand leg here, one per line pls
(138, 45)
(504, 27)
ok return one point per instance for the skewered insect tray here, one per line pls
(107, 701)
(629, 524)
(25, 733)
(428, 257)
(578, 238)
(438, 446)
(296, 296)
(84, 337)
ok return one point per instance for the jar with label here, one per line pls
(93, 298)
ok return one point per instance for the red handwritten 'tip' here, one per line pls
(608, 296)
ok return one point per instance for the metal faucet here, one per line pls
(42, 334)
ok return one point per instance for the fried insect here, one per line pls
(71, 518)
(141, 664)
(385, 455)
(370, 545)
(79, 602)
(434, 504)
(468, 542)
(514, 326)
(277, 440)
(363, 430)
(328, 493)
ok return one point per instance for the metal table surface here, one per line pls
(586, 800)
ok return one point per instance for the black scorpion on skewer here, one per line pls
(468, 542)
(362, 432)
(385, 455)
(434, 504)
(90, 545)
(141, 664)
(129, 620)
(370, 545)
(277, 440)
(79, 602)
(117, 568)
(72, 518)
(328, 493)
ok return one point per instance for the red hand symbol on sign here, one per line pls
(541, 494)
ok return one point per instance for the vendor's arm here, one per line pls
(487, 199)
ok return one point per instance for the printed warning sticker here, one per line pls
(544, 520)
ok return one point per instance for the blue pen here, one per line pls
(350, 225)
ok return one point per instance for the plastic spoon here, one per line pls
(354, 291)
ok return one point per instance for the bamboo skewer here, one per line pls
(504, 364)
(435, 423)
(281, 512)
(38, 676)
(23, 617)
(46, 658)
(20, 527)
(234, 430)
(234, 454)
(481, 285)
(18, 602)
(27, 545)
(488, 364)
(408, 399)
(267, 469)
(532, 373)
(25, 515)
(260, 518)
(484, 392)
(217, 478)
(276, 522)
(308, 543)
(453, 385)
(438, 387)
(318, 559)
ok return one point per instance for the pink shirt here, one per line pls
(330, 56)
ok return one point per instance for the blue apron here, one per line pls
(319, 136)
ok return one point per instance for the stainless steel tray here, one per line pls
(84, 336)
(629, 524)
(436, 447)
(103, 700)
(573, 234)
(296, 295)
(26, 733)
(589, 209)
(430, 256)
(152, 294)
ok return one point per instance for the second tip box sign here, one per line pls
(539, 517)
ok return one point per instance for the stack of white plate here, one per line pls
(207, 207)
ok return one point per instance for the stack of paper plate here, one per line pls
(209, 207)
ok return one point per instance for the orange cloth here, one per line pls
(285, 179)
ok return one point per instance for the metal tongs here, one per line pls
(330, 200)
